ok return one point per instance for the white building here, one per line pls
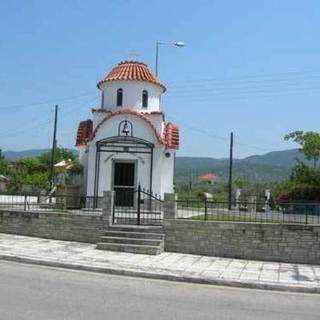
(128, 142)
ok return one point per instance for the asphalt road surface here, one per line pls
(33, 292)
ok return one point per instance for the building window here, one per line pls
(119, 97)
(144, 99)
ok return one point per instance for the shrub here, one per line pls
(299, 193)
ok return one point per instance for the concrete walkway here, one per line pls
(170, 266)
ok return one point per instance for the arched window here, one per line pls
(119, 97)
(144, 99)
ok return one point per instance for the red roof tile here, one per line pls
(209, 177)
(84, 132)
(171, 136)
(132, 70)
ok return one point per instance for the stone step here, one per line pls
(129, 234)
(142, 241)
(133, 228)
(131, 248)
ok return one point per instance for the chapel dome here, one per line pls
(131, 71)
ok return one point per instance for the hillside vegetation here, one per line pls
(272, 166)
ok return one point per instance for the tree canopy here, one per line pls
(309, 144)
(304, 181)
(32, 174)
(3, 164)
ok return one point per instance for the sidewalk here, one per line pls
(169, 266)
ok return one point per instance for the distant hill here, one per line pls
(272, 166)
(14, 155)
(286, 158)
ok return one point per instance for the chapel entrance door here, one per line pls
(124, 183)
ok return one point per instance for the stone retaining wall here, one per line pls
(273, 242)
(59, 226)
(276, 242)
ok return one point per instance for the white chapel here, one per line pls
(128, 141)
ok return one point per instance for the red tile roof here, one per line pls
(209, 177)
(131, 70)
(171, 136)
(84, 132)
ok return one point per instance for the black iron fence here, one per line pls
(52, 203)
(298, 212)
(137, 207)
(142, 207)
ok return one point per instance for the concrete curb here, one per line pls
(163, 276)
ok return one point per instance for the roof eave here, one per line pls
(163, 87)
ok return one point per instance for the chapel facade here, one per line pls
(128, 142)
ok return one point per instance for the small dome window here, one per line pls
(119, 97)
(144, 99)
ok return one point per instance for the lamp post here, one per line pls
(177, 44)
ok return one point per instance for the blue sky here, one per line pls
(249, 66)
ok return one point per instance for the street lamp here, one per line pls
(177, 44)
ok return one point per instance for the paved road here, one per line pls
(33, 292)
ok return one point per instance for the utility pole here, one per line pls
(190, 182)
(54, 145)
(230, 172)
(157, 57)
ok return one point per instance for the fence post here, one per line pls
(25, 203)
(138, 205)
(205, 209)
(306, 209)
(107, 207)
(170, 208)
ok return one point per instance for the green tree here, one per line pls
(309, 144)
(33, 174)
(31, 165)
(303, 185)
(3, 164)
(239, 183)
(24, 182)
(301, 174)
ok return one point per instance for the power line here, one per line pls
(194, 82)
(215, 136)
(182, 85)
(253, 76)
(47, 101)
(41, 124)
(202, 89)
(248, 89)
(18, 132)
(229, 97)
(245, 86)
(77, 108)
